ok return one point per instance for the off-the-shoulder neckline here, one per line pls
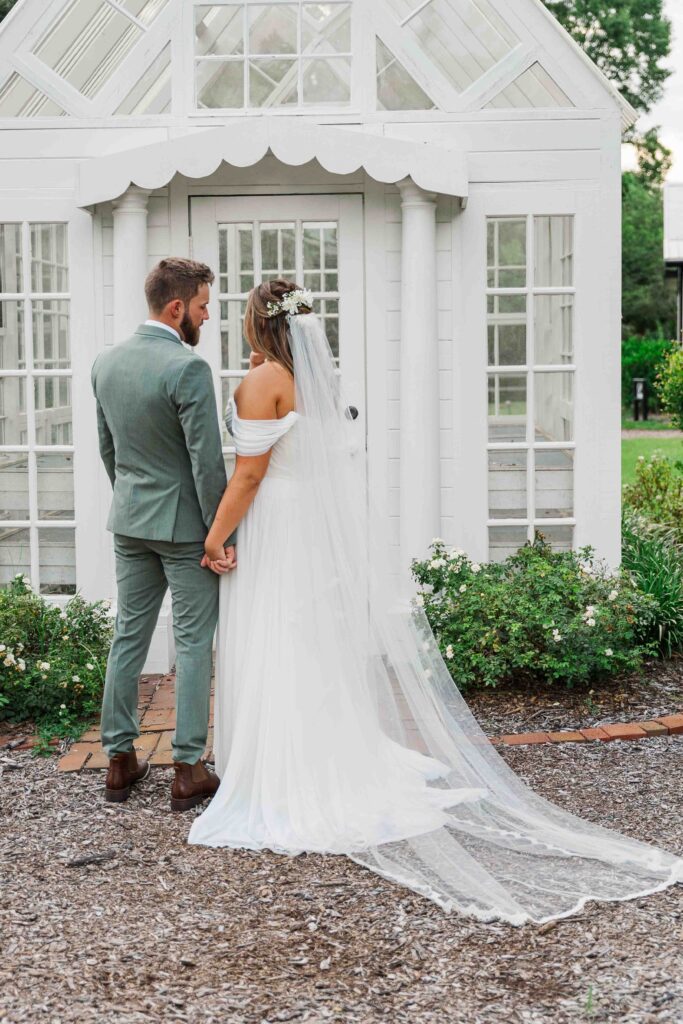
(278, 419)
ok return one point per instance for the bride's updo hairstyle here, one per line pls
(269, 334)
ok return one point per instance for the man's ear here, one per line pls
(176, 308)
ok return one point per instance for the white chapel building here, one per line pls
(443, 174)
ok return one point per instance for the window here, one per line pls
(37, 527)
(396, 87)
(253, 55)
(530, 381)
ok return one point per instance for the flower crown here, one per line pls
(290, 302)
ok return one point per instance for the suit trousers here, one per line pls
(145, 569)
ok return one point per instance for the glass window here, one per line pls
(144, 10)
(533, 88)
(553, 251)
(87, 44)
(152, 92)
(55, 485)
(263, 55)
(507, 485)
(49, 270)
(18, 98)
(505, 540)
(12, 356)
(14, 486)
(396, 87)
(553, 328)
(506, 253)
(554, 483)
(507, 406)
(57, 565)
(15, 553)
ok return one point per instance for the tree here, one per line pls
(627, 40)
(5, 7)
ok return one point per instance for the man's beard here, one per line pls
(188, 330)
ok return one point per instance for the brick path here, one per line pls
(157, 722)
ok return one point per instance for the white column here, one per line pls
(130, 261)
(420, 485)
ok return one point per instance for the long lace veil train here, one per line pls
(511, 854)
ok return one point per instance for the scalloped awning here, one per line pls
(339, 149)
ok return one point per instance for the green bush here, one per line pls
(657, 492)
(643, 357)
(669, 386)
(540, 615)
(52, 660)
(654, 558)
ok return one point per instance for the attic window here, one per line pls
(533, 88)
(396, 87)
(18, 98)
(268, 55)
(462, 38)
(88, 43)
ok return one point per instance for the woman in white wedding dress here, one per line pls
(338, 728)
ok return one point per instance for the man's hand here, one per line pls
(255, 359)
(224, 563)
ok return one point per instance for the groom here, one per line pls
(161, 446)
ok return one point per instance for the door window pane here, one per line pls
(55, 485)
(553, 251)
(278, 251)
(560, 538)
(52, 396)
(507, 485)
(554, 482)
(15, 554)
(13, 424)
(506, 253)
(554, 414)
(51, 334)
(57, 559)
(507, 341)
(14, 485)
(505, 540)
(229, 386)
(234, 346)
(12, 352)
(11, 279)
(507, 406)
(553, 328)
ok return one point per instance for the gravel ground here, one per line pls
(656, 690)
(107, 916)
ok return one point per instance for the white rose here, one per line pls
(590, 622)
(2, 648)
(449, 652)
(89, 666)
(21, 665)
(462, 588)
(613, 595)
(419, 601)
(75, 679)
(62, 615)
(609, 652)
(62, 707)
(557, 637)
(437, 540)
(9, 660)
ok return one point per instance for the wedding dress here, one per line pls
(337, 726)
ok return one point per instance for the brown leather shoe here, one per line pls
(192, 784)
(124, 771)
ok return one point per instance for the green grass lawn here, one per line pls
(632, 447)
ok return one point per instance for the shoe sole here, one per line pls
(188, 802)
(118, 796)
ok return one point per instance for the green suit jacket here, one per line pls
(159, 437)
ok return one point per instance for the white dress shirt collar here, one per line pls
(158, 323)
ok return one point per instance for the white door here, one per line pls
(315, 240)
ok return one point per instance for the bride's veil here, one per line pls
(511, 854)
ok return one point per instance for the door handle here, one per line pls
(351, 412)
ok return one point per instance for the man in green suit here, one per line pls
(160, 443)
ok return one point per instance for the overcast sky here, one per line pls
(669, 111)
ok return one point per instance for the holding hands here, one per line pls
(219, 559)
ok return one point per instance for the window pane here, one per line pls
(234, 347)
(49, 270)
(507, 342)
(507, 485)
(152, 93)
(553, 251)
(51, 347)
(272, 83)
(506, 304)
(328, 311)
(13, 425)
(272, 28)
(553, 328)
(55, 485)
(561, 538)
(278, 251)
(235, 258)
(396, 87)
(463, 38)
(554, 476)
(12, 353)
(14, 485)
(18, 98)
(52, 397)
(220, 84)
(554, 419)
(229, 386)
(219, 30)
(144, 10)
(326, 28)
(57, 560)
(11, 279)
(87, 44)
(507, 406)
(15, 554)
(327, 80)
(505, 540)
(506, 253)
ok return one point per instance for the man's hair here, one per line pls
(175, 278)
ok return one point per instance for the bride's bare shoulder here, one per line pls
(264, 390)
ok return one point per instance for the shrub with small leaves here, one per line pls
(657, 491)
(52, 659)
(541, 615)
(669, 385)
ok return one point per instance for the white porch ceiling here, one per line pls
(340, 150)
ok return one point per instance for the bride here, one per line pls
(338, 728)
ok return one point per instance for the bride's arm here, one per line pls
(259, 394)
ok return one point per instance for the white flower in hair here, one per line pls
(290, 302)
